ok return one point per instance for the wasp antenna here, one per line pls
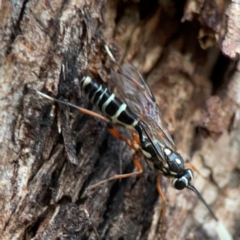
(191, 187)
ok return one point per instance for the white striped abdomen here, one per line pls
(108, 103)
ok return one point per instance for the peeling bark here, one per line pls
(51, 154)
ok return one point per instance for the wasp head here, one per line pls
(183, 181)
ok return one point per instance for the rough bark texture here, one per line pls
(50, 154)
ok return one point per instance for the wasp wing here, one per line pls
(135, 92)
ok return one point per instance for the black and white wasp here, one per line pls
(137, 110)
(157, 144)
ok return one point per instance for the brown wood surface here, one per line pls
(187, 51)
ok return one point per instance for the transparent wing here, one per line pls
(134, 91)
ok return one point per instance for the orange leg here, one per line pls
(116, 133)
(119, 176)
(93, 114)
(160, 192)
(133, 143)
(135, 137)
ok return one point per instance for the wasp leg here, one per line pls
(93, 114)
(134, 143)
(160, 192)
(120, 176)
(136, 138)
(115, 132)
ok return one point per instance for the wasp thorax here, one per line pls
(174, 160)
(147, 149)
(183, 181)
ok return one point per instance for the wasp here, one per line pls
(136, 109)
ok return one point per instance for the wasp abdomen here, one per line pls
(108, 103)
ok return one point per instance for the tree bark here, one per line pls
(51, 154)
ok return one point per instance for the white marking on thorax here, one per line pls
(165, 170)
(146, 154)
(167, 151)
(172, 173)
(178, 161)
(135, 122)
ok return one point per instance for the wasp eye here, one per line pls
(180, 183)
